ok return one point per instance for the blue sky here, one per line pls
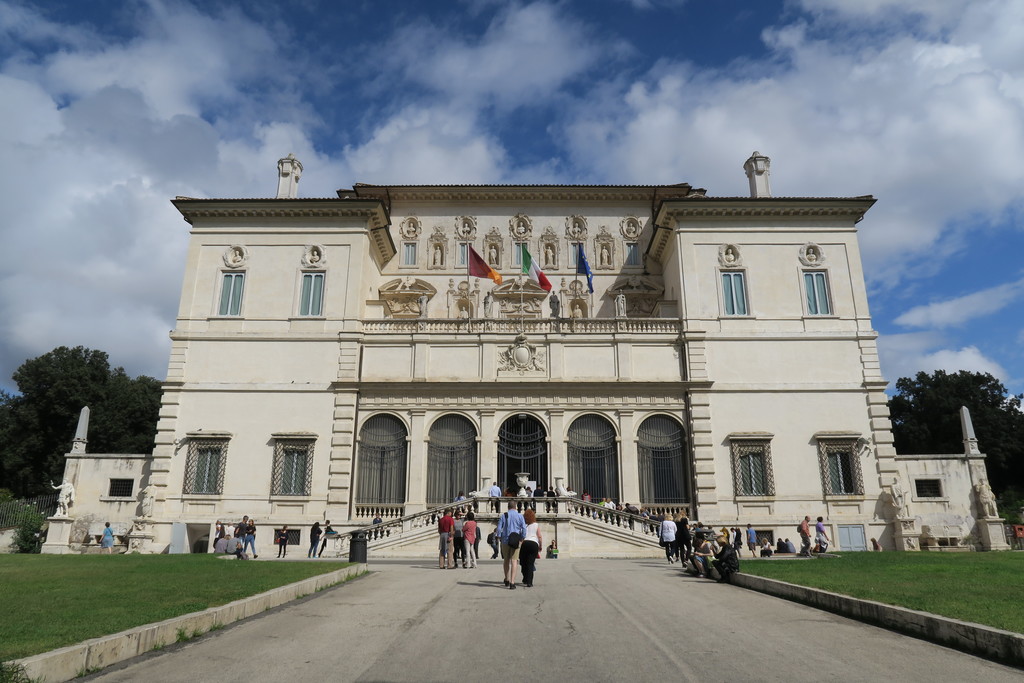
(109, 109)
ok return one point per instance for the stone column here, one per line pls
(488, 449)
(416, 494)
(628, 463)
(558, 465)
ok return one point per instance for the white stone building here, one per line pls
(332, 359)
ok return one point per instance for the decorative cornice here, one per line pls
(642, 193)
(852, 208)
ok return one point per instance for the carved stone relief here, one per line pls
(520, 227)
(313, 256)
(410, 228)
(402, 297)
(520, 298)
(629, 228)
(812, 255)
(493, 248)
(236, 256)
(463, 302)
(522, 357)
(438, 249)
(641, 295)
(576, 228)
(578, 299)
(465, 227)
(604, 247)
(549, 249)
(729, 256)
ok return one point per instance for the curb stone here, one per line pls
(984, 641)
(92, 655)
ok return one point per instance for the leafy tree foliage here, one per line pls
(37, 426)
(926, 419)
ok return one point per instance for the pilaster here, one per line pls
(628, 463)
(339, 481)
(416, 495)
(558, 464)
(488, 448)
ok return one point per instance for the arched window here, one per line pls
(522, 447)
(451, 459)
(382, 461)
(664, 476)
(593, 457)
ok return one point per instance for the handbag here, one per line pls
(513, 540)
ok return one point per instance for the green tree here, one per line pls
(26, 538)
(925, 416)
(38, 425)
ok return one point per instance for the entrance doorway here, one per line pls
(522, 447)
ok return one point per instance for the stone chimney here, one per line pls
(756, 168)
(289, 170)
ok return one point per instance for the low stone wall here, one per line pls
(92, 655)
(984, 641)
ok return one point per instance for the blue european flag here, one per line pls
(583, 268)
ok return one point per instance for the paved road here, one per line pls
(585, 620)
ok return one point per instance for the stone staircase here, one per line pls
(580, 529)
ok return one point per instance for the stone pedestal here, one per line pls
(141, 535)
(905, 533)
(58, 536)
(991, 531)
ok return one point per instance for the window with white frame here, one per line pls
(840, 466)
(632, 254)
(409, 253)
(463, 257)
(293, 466)
(816, 289)
(752, 465)
(231, 293)
(734, 292)
(204, 467)
(311, 298)
(517, 253)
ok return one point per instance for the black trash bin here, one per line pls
(357, 547)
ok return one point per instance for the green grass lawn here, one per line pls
(986, 588)
(50, 601)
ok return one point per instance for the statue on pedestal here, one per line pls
(897, 498)
(147, 501)
(620, 306)
(556, 305)
(65, 499)
(986, 499)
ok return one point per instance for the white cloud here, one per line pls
(904, 355)
(958, 311)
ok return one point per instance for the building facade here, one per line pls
(333, 359)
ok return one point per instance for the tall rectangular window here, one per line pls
(840, 467)
(463, 254)
(204, 468)
(816, 287)
(293, 467)
(231, 294)
(409, 254)
(752, 466)
(311, 300)
(517, 253)
(632, 254)
(734, 294)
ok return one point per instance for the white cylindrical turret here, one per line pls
(756, 168)
(289, 170)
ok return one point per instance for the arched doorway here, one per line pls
(522, 447)
(594, 457)
(382, 461)
(451, 459)
(664, 476)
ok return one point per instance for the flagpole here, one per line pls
(522, 288)
(468, 291)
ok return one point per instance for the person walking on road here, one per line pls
(667, 536)
(511, 529)
(470, 538)
(445, 526)
(532, 542)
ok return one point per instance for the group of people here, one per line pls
(517, 538)
(241, 542)
(458, 540)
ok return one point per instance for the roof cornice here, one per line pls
(517, 192)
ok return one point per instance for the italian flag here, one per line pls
(531, 268)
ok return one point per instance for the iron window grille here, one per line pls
(928, 488)
(382, 461)
(294, 536)
(293, 467)
(121, 488)
(663, 472)
(594, 457)
(840, 467)
(451, 459)
(522, 447)
(204, 469)
(752, 471)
